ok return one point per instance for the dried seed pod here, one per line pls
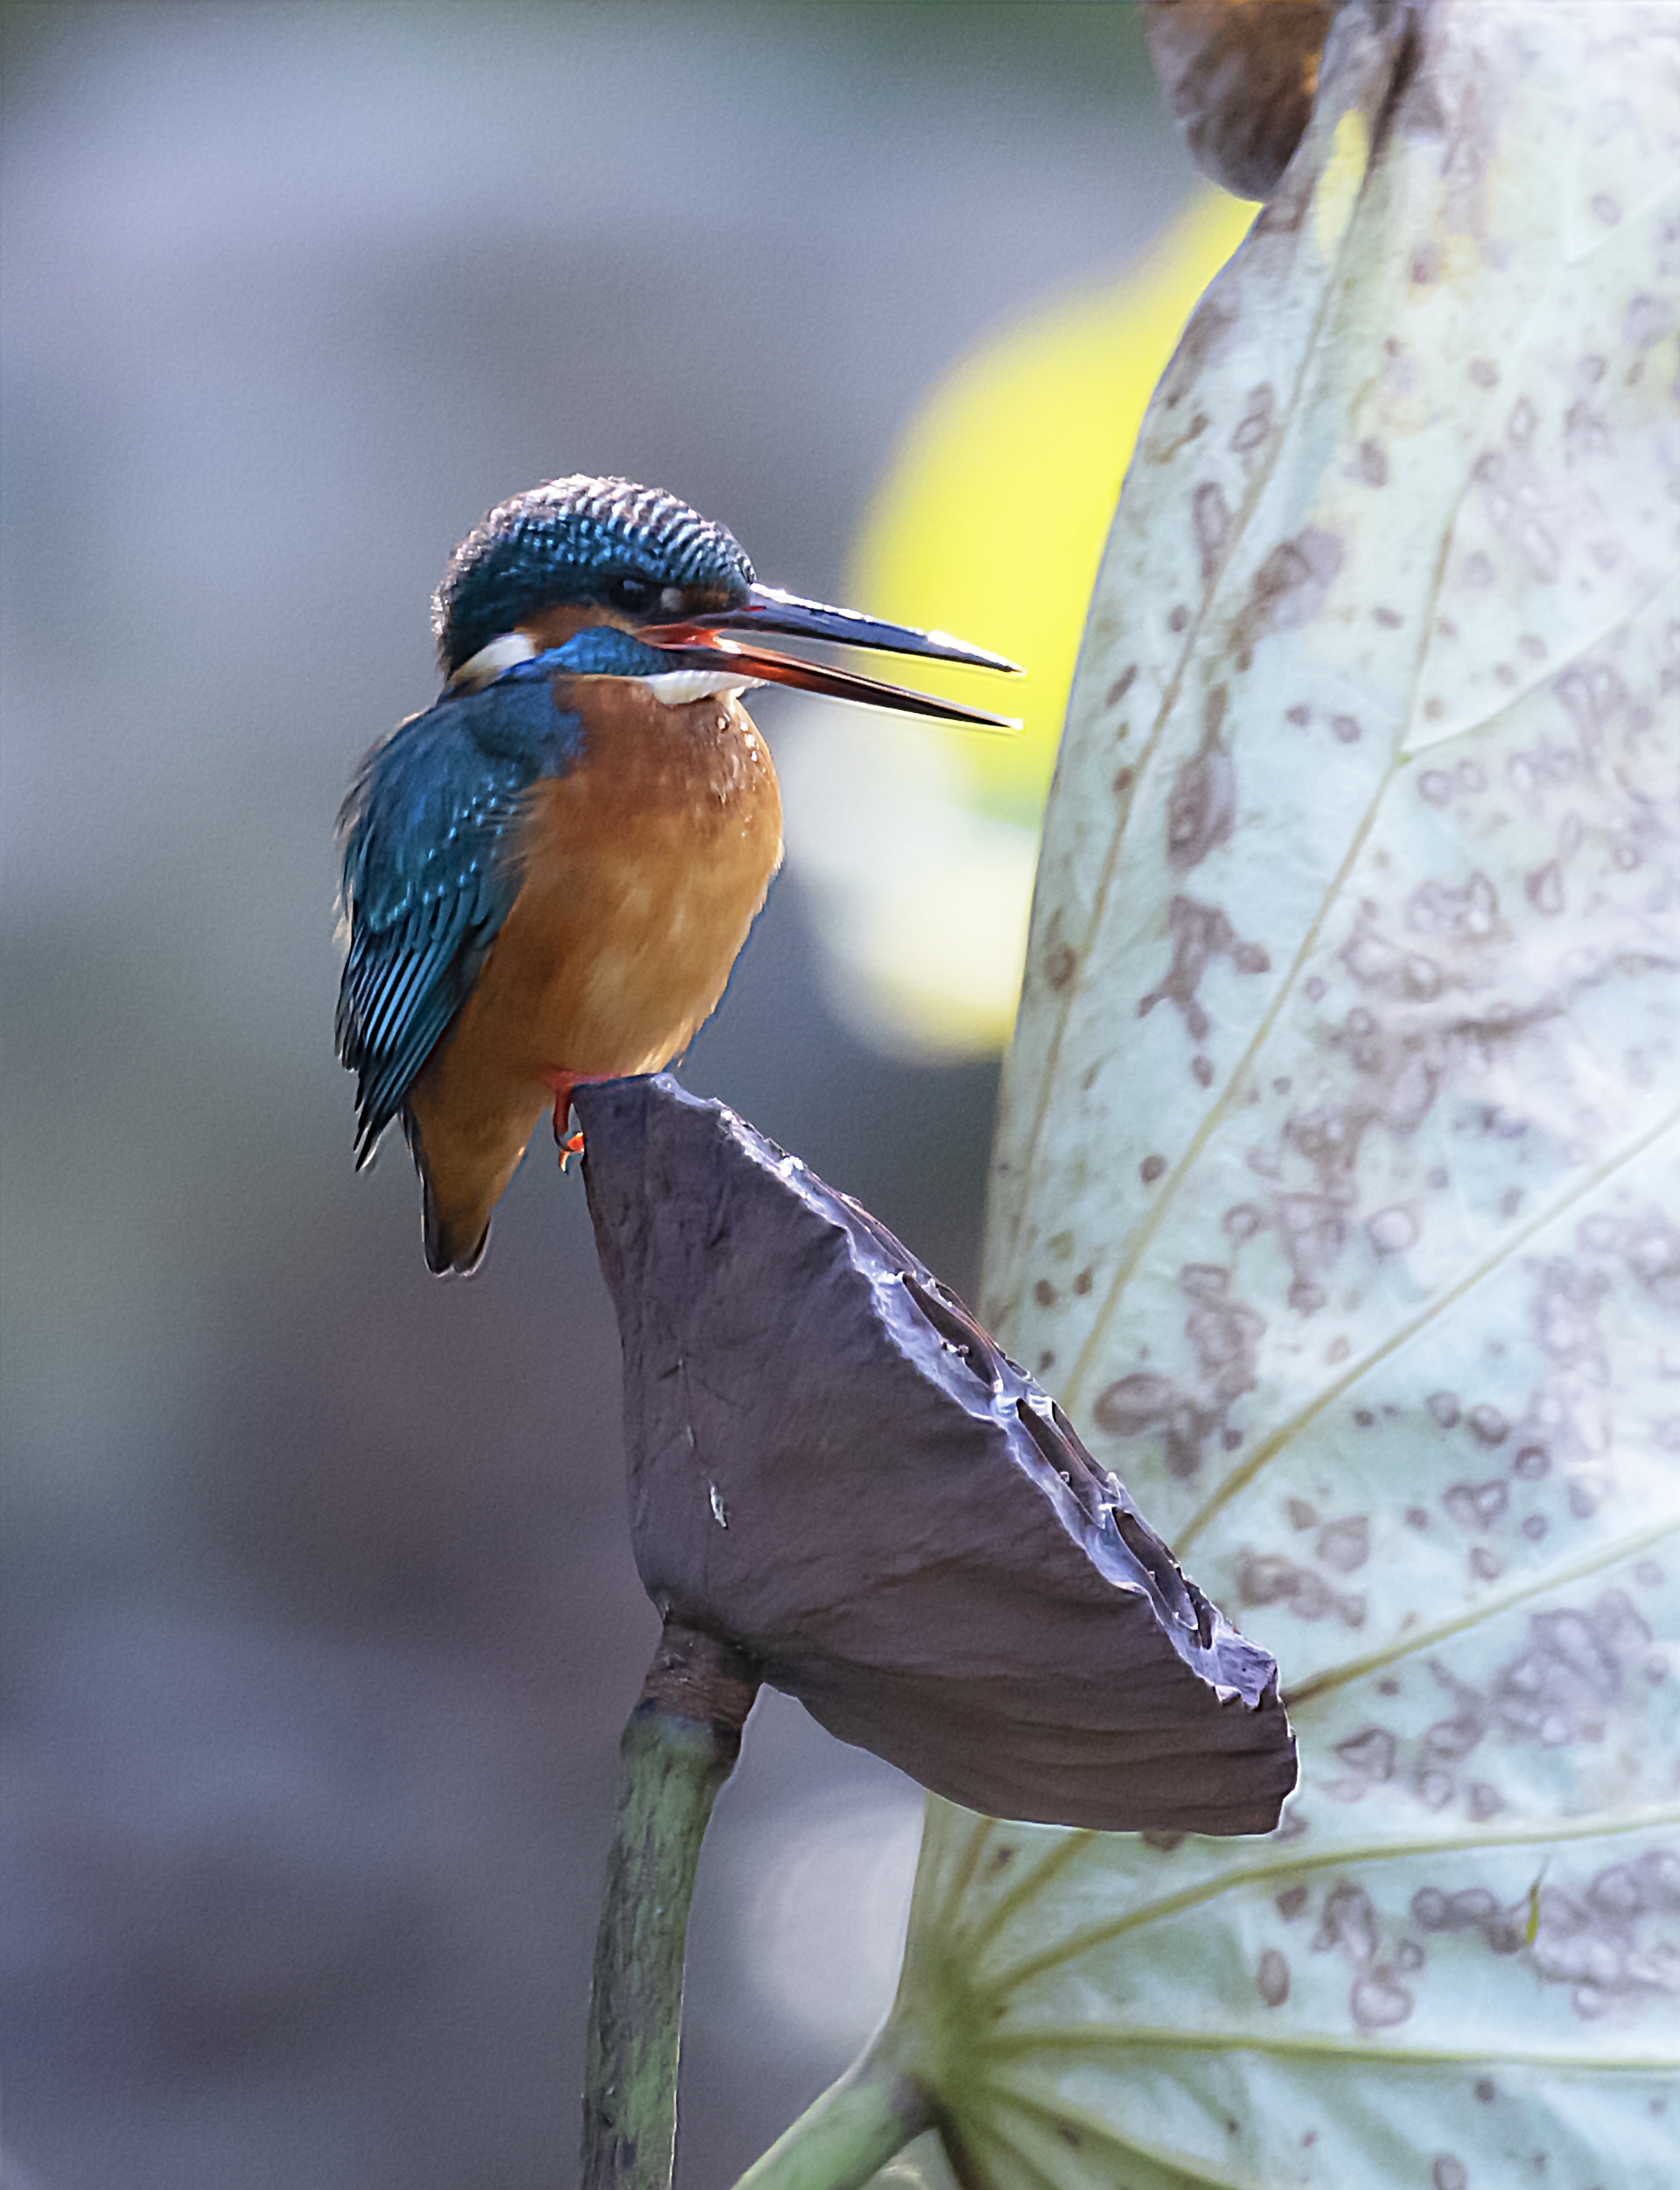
(1240, 76)
(835, 1469)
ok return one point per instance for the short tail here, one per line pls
(464, 1164)
(454, 1238)
(453, 1248)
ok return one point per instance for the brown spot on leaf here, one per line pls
(1268, 1577)
(1135, 1403)
(1290, 589)
(1373, 463)
(1271, 1981)
(1345, 1545)
(1211, 522)
(1370, 1753)
(1379, 2000)
(1468, 914)
(1349, 1921)
(1256, 420)
(1225, 1336)
(1391, 1231)
(1545, 887)
(1201, 340)
(1648, 320)
(1476, 1505)
(1162, 1843)
(1199, 933)
(1201, 807)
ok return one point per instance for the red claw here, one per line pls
(568, 1145)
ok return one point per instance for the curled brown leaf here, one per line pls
(1240, 76)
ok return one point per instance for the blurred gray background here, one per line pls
(320, 1618)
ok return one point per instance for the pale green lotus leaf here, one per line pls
(1338, 1187)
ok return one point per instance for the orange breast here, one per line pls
(644, 868)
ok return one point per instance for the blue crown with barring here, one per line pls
(560, 541)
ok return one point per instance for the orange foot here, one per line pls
(568, 1145)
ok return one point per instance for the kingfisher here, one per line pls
(549, 873)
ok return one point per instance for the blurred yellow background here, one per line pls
(920, 844)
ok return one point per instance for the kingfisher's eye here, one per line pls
(634, 594)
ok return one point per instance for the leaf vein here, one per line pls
(1338, 1677)
(1093, 2037)
(1596, 1826)
(1269, 1446)
(1190, 2173)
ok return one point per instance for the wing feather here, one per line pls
(431, 831)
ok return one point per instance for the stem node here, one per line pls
(679, 1745)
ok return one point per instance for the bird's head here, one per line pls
(581, 555)
(610, 551)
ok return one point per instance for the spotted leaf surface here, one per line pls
(1337, 1189)
(1337, 1194)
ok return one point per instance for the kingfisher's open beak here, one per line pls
(701, 644)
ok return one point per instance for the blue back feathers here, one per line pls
(560, 542)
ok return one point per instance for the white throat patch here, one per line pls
(489, 662)
(673, 687)
(676, 688)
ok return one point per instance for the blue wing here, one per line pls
(430, 832)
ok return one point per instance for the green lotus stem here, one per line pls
(679, 1745)
(855, 2127)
